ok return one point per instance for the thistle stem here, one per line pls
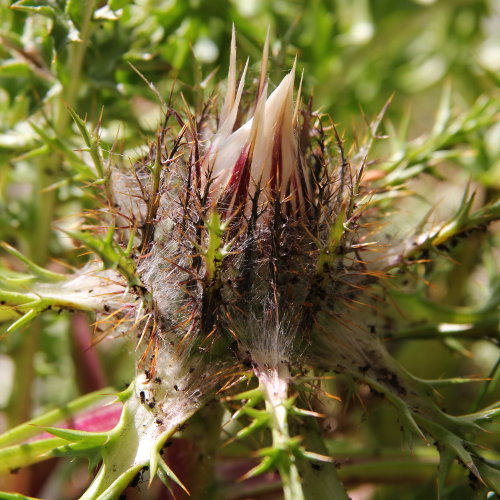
(75, 70)
(321, 482)
(274, 385)
(203, 439)
(135, 442)
(126, 452)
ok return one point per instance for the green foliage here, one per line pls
(74, 102)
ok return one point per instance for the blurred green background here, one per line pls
(355, 55)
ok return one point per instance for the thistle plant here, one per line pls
(246, 260)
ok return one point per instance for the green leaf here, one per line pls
(92, 142)
(24, 320)
(38, 271)
(32, 427)
(266, 465)
(75, 10)
(253, 426)
(112, 256)
(41, 7)
(90, 438)
(14, 68)
(59, 145)
(63, 25)
(25, 454)
(443, 115)
(450, 441)
(119, 484)
(81, 449)
(490, 474)
(15, 496)
(118, 4)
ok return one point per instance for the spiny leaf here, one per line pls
(112, 256)
(252, 394)
(252, 427)
(90, 438)
(25, 454)
(81, 450)
(24, 320)
(443, 115)
(119, 484)
(168, 472)
(56, 143)
(16, 280)
(38, 271)
(15, 298)
(448, 440)
(488, 415)
(265, 465)
(32, 427)
(406, 416)
(254, 399)
(490, 473)
(92, 141)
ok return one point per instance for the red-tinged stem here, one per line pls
(89, 373)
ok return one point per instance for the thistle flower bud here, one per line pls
(247, 248)
(262, 154)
